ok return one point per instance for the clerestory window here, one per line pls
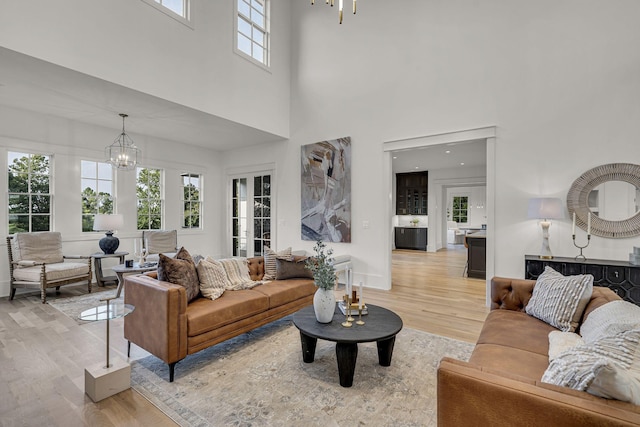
(252, 30)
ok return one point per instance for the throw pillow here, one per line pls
(290, 269)
(559, 342)
(610, 319)
(270, 261)
(560, 300)
(180, 270)
(238, 276)
(608, 368)
(213, 278)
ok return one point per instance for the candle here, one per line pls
(589, 224)
(573, 227)
(360, 299)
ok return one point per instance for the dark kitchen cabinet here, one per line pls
(411, 238)
(411, 193)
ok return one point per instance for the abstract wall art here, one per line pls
(326, 191)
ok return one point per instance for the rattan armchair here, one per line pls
(36, 261)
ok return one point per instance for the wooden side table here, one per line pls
(97, 266)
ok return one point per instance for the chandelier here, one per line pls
(339, 7)
(123, 153)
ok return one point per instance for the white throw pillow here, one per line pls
(213, 278)
(560, 300)
(610, 319)
(559, 342)
(608, 368)
(270, 266)
(237, 270)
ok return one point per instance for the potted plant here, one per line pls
(324, 277)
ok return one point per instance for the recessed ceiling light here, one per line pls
(448, 152)
(461, 163)
(417, 167)
(395, 157)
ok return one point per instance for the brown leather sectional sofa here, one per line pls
(167, 327)
(500, 385)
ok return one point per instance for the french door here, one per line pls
(250, 214)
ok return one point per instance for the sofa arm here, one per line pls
(469, 396)
(158, 323)
(510, 294)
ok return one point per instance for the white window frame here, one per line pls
(186, 19)
(97, 179)
(267, 33)
(198, 201)
(30, 193)
(161, 199)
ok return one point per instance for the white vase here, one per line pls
(324, 305)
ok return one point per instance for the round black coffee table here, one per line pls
(381, 325)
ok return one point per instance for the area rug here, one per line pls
(259, 379)
(73, 306)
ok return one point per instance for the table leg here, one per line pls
(120, 284)
(385, 351)
(308, 347)
(346, 353)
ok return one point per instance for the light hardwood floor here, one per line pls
(43, 353)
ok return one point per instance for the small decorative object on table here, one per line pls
(324, 277)
(573, 236)
(415, 221)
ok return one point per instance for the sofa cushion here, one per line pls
(270, 261)
(515, 362)
(281, 292)
(204, 315)
(516, 329)
(559, 342)
(560, 300)
(610, 319)
(291, 269)
(213, 279)
(42, 246)
(608, 368)
(180, 270)
(58, 271)
(237, 270)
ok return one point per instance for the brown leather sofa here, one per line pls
(500, 385)
(167, 327)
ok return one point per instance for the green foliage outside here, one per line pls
(92, 204)
(324, 274)
(149, 195)
(191, 208)
(29, 203)
(460, 206)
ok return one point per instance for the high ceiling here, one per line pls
(446, 156)
(34, 85)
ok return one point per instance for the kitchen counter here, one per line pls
(411, 238)
(476, 254)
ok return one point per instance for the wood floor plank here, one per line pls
(43, 353)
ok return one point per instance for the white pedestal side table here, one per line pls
(104, 380)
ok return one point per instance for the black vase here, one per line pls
(109, 244)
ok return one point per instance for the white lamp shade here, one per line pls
(546, 208)
(108, 222)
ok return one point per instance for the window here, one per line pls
(251, 227)
(252, 29)
(179, 7)
(149, 198)
(29, 204)
(191, 202)
(97, 191)
(459, 209)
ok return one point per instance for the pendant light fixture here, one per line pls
(123, 153)
(340, 7)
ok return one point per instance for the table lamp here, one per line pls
(108, 223)
(545, 209)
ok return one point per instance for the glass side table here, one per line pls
(102, 381)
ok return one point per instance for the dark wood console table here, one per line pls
(621, 276)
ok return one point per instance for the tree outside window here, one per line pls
(97, 191)
(149, 198)
(192, 205)
(459, 209)
(29, 198)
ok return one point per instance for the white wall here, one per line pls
(70, 142)
(131, 43)
(559, 79)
